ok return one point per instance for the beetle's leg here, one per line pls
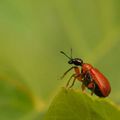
(73, 82)
(87, 81)
(75, 77)
(83, 87)
(79, 77)
(67, 72)
(93, 89)
(69, 80)
(91, 86)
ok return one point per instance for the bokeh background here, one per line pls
(32, 34)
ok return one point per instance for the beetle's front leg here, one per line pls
(79, 77)
(67, 72)
(75, 77)
(69, 80)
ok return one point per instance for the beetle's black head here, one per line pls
(74, 61)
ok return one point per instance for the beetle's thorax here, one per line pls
(86, 67)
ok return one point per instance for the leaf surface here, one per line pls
(74, 105)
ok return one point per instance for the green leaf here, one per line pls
(74, 105)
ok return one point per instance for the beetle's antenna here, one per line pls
(71, 52)
(65, 54)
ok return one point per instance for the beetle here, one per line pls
(90, 77)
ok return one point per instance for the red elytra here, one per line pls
(90, 77)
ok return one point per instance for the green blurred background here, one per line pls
(32, 32)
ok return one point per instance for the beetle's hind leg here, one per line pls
(92, 87)
(83, 87)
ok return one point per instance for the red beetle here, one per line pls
(90, 77)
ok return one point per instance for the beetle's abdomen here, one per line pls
(97, 91)
(101, 82)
